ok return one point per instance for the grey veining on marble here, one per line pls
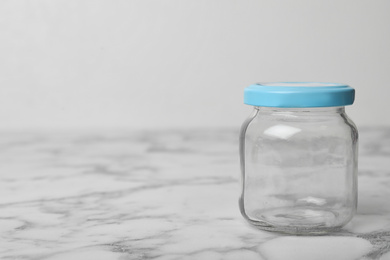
(163, 195)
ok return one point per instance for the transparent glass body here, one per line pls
(299, 169)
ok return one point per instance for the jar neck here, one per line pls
(301, 110)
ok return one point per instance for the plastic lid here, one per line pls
(299, 94)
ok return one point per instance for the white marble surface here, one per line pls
(162, 195)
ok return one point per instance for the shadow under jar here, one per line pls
(298, 152)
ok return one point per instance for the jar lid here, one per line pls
(299, 94)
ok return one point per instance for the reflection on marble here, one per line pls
(162, 195)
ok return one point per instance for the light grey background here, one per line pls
(173, 63)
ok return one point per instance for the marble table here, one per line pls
(163, 195)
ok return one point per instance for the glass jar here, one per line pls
(298, 152)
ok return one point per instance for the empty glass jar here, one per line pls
(298, 153)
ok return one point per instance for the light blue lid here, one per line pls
(299, 94)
